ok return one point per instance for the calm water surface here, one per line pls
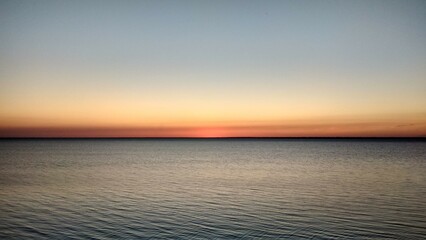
(212, 189)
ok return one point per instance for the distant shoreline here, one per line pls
(222, 138)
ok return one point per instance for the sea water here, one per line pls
(212, 189)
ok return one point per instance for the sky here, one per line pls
(213, 68)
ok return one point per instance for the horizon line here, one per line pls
(422, 138)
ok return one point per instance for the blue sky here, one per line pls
(198, 62)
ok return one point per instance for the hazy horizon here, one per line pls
(212, 69)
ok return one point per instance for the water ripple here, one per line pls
(212, 190)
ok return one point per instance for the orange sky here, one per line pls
(385, 128)
(213, 69)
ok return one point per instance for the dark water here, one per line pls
(204, 189)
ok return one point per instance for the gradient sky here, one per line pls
(212, 68)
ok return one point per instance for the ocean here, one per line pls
(212, 189)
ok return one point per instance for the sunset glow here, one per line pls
(213, 69)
